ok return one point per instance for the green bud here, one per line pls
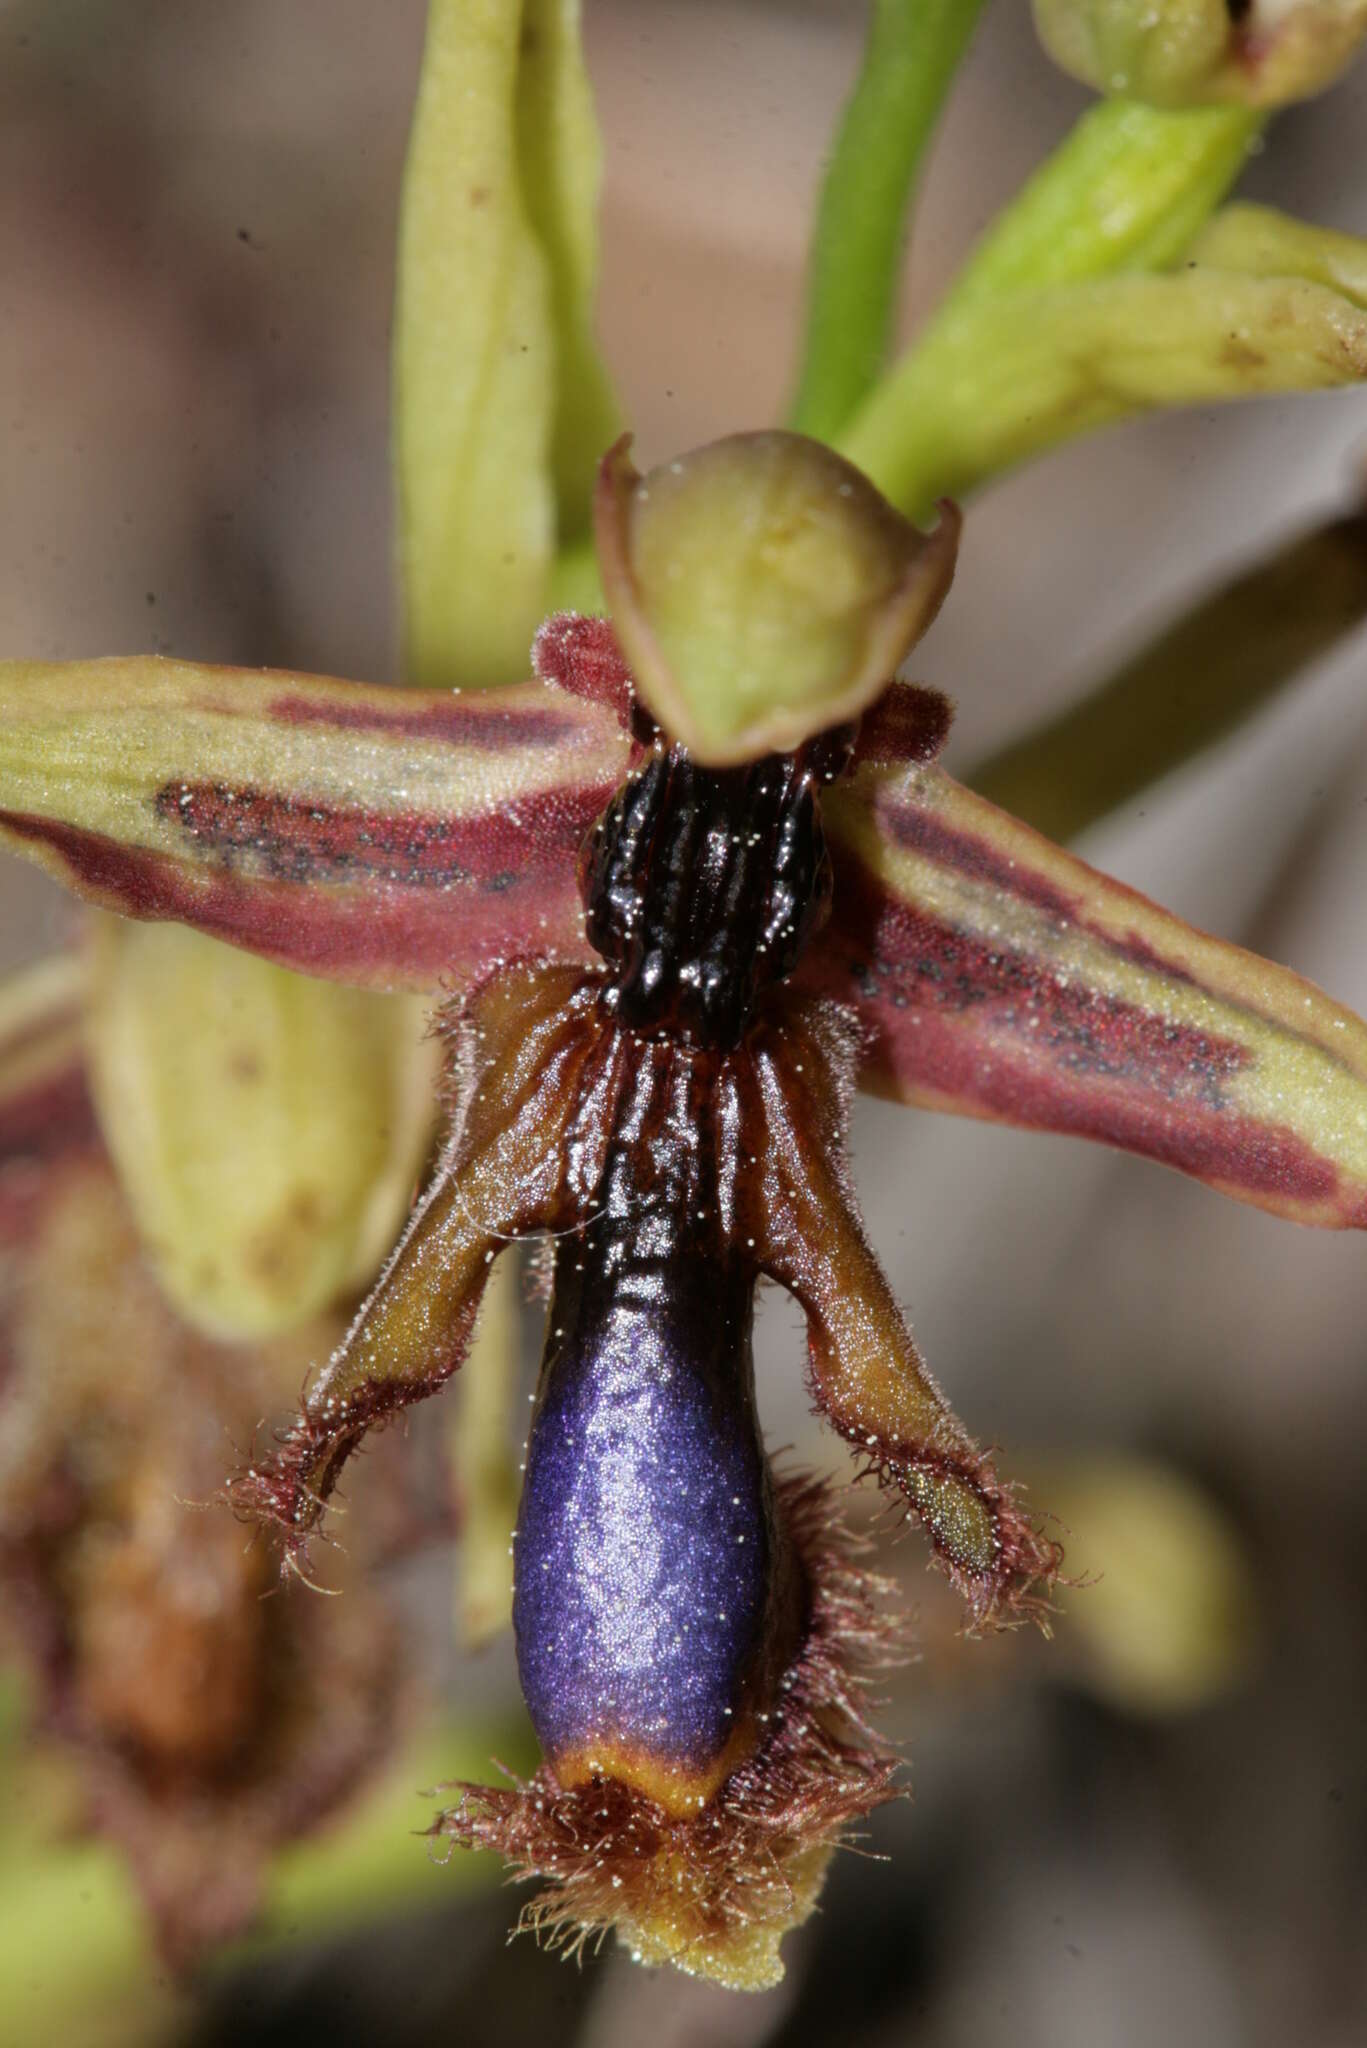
(267, 1128)
(1177, 53)
(762, 590)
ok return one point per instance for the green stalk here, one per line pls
(912, 53)
(1126, 192)
(1008, 379)
(1127, 189)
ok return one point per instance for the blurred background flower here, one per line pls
(196, 232)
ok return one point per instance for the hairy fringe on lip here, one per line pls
(714, 1893)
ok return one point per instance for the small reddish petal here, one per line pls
(867, 1376)
(909, 723)
(581, 655)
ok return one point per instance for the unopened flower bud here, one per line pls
(1188, 52)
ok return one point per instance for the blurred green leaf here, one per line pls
(1199, 679)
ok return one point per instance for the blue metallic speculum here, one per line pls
(645, 1546)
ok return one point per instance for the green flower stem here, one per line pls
(1126, 192)
(1198, 680)
(1128, 189)
(913, 50)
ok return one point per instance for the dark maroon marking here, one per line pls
(484, 729)
(1137, 950)
(970, 855)
(948, 1015)
(965, 853)
(389, 936)
(924, 964)
(581, 655)
(908, 723)
(291, 839)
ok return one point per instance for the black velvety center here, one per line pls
(702, 887)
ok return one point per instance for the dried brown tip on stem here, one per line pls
(714, 1893)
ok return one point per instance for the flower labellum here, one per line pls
(208, 1723)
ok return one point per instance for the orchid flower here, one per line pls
(679, 894)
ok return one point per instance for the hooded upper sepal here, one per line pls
(762, 589)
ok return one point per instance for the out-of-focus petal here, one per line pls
(268, 1128)
(1166, 1618)
(211, 1724)
(501, 405)
(45, 1109)
(561, 166)
(387, 838)
(1000, 977)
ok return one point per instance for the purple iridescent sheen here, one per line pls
(644, 1544)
